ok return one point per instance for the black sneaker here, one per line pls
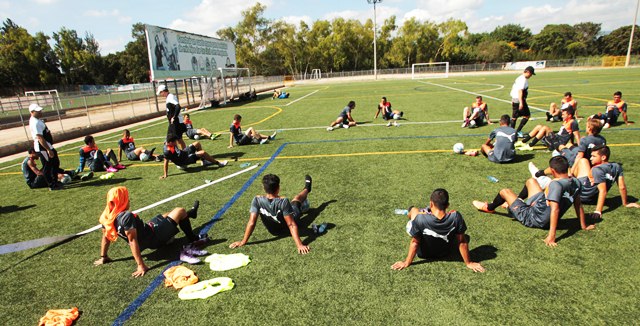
(193, 212)
(151, 152)
(308, 182)
(159, 158)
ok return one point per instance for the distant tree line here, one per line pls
(278, 48)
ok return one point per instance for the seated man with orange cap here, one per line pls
(118, 221)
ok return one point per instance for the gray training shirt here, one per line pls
(605, 172)
(564, 192)
(436, 235)
(503, 149)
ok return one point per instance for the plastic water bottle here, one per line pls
(401, 211)
(322, 227)
(492, 179)
(244, 165)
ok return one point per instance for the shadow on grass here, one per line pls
(363, 122)
(14, 208)
(616, 202)
(232, 155)
(521, 158)
(97, 182)
(572, 225)
(477, 254)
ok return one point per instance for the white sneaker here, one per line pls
(180, 167)
(264, 141)
(395, 124)
(389, 124)
(345, 126)
(193, 251)
(187, 258)
(223, 163)
(329, 128)
(533, 169)
(544, 181)
(606, 126)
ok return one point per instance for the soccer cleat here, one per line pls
(396, 124)
(308, 182)
(191, 250)
(401, 113)
(119, 166)
(329, 128)
(264, 141)
(519, 143)
(159, 158)
(193, 212)
(526, 147)
(520, 134)
(203, 239)
(223, 163)
(181, 167)
(273, 135)
(389, 124)
(188, 258)
(206, 163)
(86, 176)
(482, 206)
(533, 169)
(214, 136)
(112, 169)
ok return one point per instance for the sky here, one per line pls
(110, 22)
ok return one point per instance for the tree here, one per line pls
(494, 51)
(553, 41)
(514, 34)
(588, 34)
(416, 42)
(451, 46)
(617, 42)
(134, 60)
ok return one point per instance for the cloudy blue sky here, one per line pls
(110, 21)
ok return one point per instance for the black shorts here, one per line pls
(245, 140)
(192, 132)
(131, 155)
(177, 129)
(38, 182)
(520, 113)
(533, 213)
(163, 230)
(387, 115)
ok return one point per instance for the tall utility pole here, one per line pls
(633, 28)
(375, 36)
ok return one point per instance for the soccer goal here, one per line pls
(226, 84)
(46, 99)
(316, 74)
(430, 70)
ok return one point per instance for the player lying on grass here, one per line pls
(435, 233)
(536, 208)
(569, 131)
(118, 221)
(572, 153)
(388, 113)
(184, 157)
(251, 136)
(134, 153)
(503, 137)
(35, 176)
(345, 119)
(555, 113)
(279, 215)
(97, 161)
(612, 112)
(197, 133)
(476, 115)
(277, 94)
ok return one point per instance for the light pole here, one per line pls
(375, 55)
(633, 28)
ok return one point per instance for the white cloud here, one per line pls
(382, 13)
(346, 15)
(295, 20)
(485, 24)
(210, 15)
(115, 13)
(45, 2)
(112, 45)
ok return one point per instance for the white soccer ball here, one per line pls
(396, 116)
(305, 206)
(66, 179)
(196, 137)
(458, 148)
(144, 157)
(472, 124)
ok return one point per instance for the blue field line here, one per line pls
(133, 306)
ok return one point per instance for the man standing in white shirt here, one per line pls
(43, 145)
(174, 115)
(519, 92)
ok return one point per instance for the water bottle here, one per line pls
(401, 211)
(322, 227)
(245, 165)
(492, 179)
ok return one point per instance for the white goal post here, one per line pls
(430, 70)
(226, 84)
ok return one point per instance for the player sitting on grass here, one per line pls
(35, 177)
(345, 119)
(197, 133)
(569, 130)
(184, 157)
(278, 215)
(613, 110)
(95, 159)
(502, 149)
(536, 208)
(572, 153)
(597, 181)
(388, 113)
(251, 136)
(134, 153)
(476, 115)
(435, 233)
(555, 112)
(118, 221)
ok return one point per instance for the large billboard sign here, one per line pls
(175, 55)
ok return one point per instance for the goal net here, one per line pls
(430, 70)
(316, 74)
(226, 84)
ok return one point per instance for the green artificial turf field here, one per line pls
(360, 176)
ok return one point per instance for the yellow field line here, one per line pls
(284, 157)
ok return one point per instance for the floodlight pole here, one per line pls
(375, 55)
(633, 28)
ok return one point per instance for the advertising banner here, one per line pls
(176, 55)
(520, 65)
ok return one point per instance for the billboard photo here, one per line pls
(174, 54)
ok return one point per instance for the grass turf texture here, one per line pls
(360, 176)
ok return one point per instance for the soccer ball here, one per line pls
(472, 124)
(458, 148)
(396, 116)
(144, 157)
(305, 206)
(66, 179)
(196, 137)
